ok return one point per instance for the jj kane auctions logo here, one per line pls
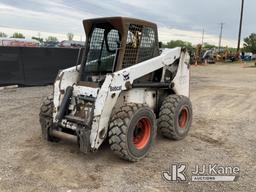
(211, 172)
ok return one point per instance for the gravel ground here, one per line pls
(223, 132)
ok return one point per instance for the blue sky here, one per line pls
(177, 19)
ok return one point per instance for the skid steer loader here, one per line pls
(123, 90)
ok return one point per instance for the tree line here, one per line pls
(249, 44)
(18, 35)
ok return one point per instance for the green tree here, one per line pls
(2, 34)
(18, 35)
(232, 50)
(208, 46)
(38, 39)
(70, 36)
(52, 39)
(178, 43)
(250, 43)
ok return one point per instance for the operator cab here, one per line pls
(116, 43)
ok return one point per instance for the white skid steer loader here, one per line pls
(123, 90)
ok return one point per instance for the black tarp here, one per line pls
(32, 65)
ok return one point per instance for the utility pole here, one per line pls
(221, 31)
(203, 38)
(240, 26)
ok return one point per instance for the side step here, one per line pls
(82, 138)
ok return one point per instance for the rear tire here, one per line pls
(46, 119)
(175, 117)
(132, 131)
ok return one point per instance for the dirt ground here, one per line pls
(223, 132)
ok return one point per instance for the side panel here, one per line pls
(182, 79)
(67, 78)
(64, 79)
(140, 95)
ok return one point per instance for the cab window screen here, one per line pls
(103, 46)
(147, 44)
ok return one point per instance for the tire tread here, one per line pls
(118, 129)
(166, 121)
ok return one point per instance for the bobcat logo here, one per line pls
(126, 75)
(115, 88)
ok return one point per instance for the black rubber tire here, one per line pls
(46, 120)
(168, 122)
(121, 130)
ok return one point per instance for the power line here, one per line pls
(240, 26)
(221, 32)
(203, 37)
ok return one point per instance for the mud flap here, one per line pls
(83, 138)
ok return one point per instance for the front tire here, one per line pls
(175, 117)
(132, 131)
(46, 119)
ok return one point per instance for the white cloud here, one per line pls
(67, 18)
(185, 17)
(161, 9)
(195, 37)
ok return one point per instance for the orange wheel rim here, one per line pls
(183, 118)
(141, 133)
